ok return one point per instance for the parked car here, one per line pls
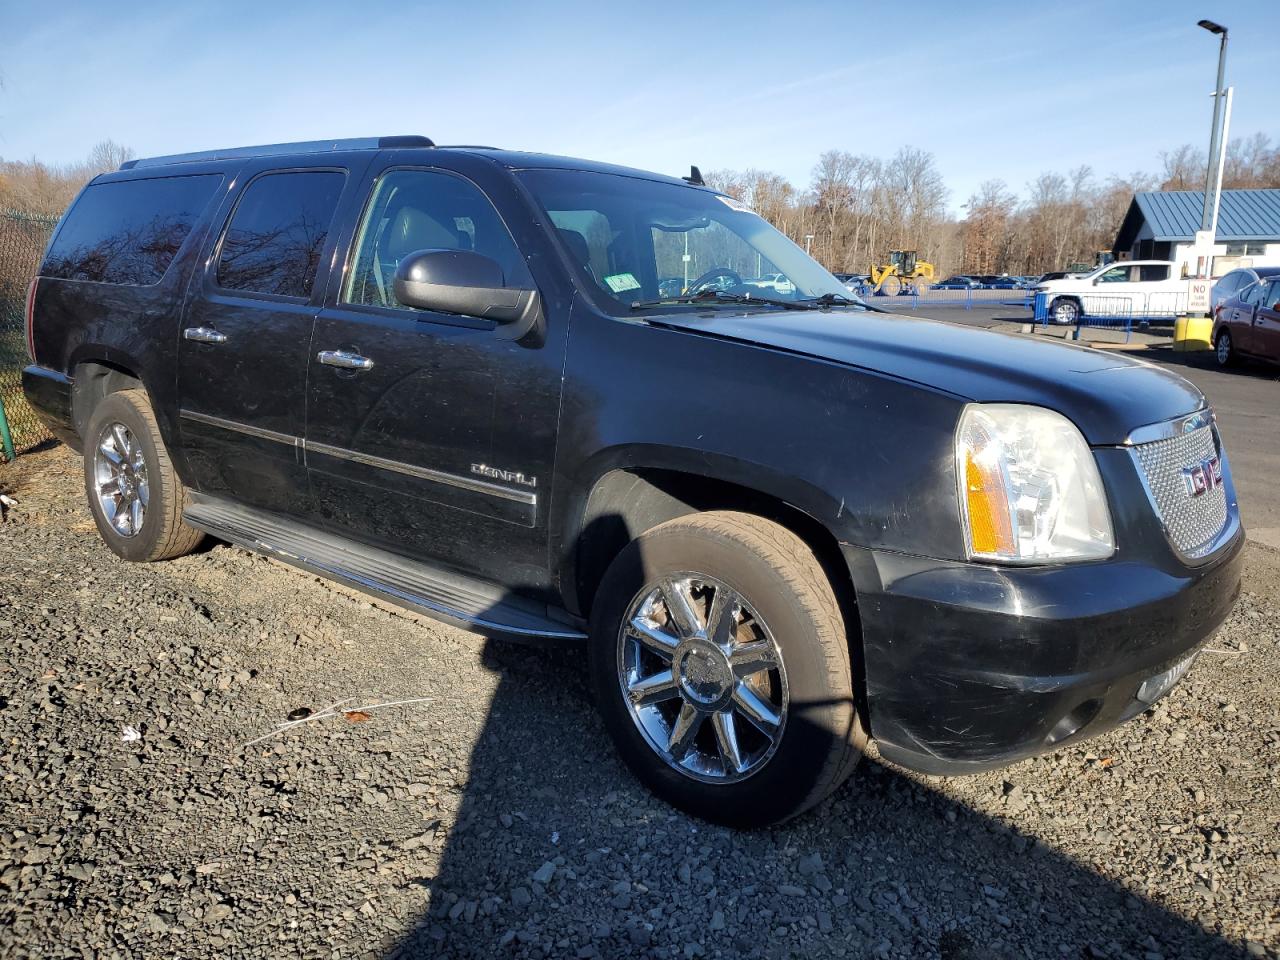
(1232, 284)
(1055, 275)
(773, 282)
(1135, 288)
(853, 282)
(1248, 324)
(992, 282)
(772, 526)
(957, 283)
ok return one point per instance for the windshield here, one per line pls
(638, 243)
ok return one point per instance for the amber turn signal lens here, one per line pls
(990, 530)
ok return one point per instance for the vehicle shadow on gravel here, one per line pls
(559, 852)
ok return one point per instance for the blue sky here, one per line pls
(998, 89)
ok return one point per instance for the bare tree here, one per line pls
(35, 187)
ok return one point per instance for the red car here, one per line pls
(1248, 324)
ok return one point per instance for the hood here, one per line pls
(1107, 395)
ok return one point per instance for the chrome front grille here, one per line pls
(1192, 520)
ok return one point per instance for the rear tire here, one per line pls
(785, 659)
(1224, 350)
(891, 287)
(134, 493)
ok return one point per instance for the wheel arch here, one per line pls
(629, 496)
(95, 376)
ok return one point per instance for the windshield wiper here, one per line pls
(840, 300)
(721, 296)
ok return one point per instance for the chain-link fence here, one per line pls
(22, 242)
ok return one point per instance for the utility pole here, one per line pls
(1215, 138)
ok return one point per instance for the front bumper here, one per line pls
(970, 667)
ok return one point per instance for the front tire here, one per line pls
(1065, 311)
(134, 493)
(721, 668)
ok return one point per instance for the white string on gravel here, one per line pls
(332, 711)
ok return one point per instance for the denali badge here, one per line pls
(510, 476)
(1202, 477)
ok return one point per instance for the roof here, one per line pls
(1175, 215)
(512, 159)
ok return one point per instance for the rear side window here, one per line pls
(277, 233)
(129, 231)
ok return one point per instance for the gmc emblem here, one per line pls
(1202, 477)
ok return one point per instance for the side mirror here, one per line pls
(467, 283)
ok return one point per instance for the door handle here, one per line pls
(343, 359)
(204, 335)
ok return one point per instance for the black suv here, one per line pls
(466, 380)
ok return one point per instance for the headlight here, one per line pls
(1029, 487)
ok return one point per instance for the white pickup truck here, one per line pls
(1132, 288)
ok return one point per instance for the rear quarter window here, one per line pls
(128, 231)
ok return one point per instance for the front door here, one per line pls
(429, 434)
(1266, 323)
(1244, 312)
(242, 354)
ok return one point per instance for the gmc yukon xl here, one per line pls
(568, 402)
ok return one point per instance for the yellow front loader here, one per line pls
(902, 272)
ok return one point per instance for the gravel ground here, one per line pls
(495, 820)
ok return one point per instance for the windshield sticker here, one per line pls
(733, 204)
(622, 282)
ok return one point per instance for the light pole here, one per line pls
(1215, 138)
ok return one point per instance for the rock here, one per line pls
(810, 865)
(544, 873)
(520, 897)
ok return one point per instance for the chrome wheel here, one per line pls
(120, 479)
(1065, 312)
(702, 678)
(1224, 348)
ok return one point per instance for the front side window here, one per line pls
(277, 233)
(1271, 295)
(633, 241)
(128, 231)
(1115, 275)
(414, 210)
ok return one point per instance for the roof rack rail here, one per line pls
(279, 149)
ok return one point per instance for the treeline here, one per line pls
(41, 189)
(857, 208)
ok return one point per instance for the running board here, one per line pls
(447, 596)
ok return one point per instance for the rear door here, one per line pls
(437, 441)
(242, 349)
